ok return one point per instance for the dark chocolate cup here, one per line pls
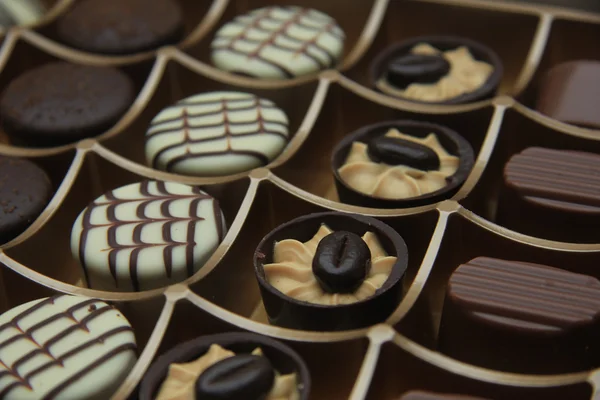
(284, 359)
(454, 144)
(288, 312)
(479, 51)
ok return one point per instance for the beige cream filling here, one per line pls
(291, 270)
(396, 181)
(181, 379)
(466, 75)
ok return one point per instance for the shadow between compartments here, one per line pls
(329, 106)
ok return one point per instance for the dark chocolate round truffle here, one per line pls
(121, 26)
(60, 103)
(25, 190)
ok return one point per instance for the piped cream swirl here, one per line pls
(291, 271)
(396, 181)
(466, 75)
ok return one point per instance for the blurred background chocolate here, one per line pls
(59, 103)
(21, 12)
(399, 164)
(570, 93)
(25, 190)
(423, 395)
(185, 369)
(121, 26)
(521, 317)
(278, 42)
(552, 194)
(288, 264)
(437, 70)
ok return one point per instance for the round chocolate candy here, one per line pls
(396, 151)
(417, 68)
(341, 262)
(241, 377)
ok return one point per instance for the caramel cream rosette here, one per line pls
(396, 181)
(291, 271)
(181, 379)
(465, 75)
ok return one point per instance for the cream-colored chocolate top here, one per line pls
(181, 379)
(291, 271)
(466, 75)
(396, 181)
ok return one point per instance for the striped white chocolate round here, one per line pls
(146, 235)
(64, 347)
(216, 134)
(278, 42)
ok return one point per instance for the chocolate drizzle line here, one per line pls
(146, 199)
(282, 31)
(226, 123)
(44, 349)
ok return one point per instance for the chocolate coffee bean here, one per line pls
(416, 68)
(396, 151)
(341, 262)
(241, 377)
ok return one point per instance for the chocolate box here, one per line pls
(381, 362)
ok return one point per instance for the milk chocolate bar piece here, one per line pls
(521, 317)
(570, 93)
(564, 180)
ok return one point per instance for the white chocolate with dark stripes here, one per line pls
(278, 42)
(64, 347)
(216, 134)
(146, 235)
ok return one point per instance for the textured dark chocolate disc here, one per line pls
(561, 179)
(121, 26)
(25, 190)
(60, 103)
(422, 395)
(416, 68)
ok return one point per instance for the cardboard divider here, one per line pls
(178, 82)
(408, 19)
(516, 134)
(95, 178)
(389, 384)
(342, 113)
(351, 20)
(465, 240)
(568, 41)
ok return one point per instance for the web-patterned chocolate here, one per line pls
(51, 345)
(216, 133)
(278, 42)
(146, 235)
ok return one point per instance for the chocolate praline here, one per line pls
(289, 312)
(283, 358)
(452, 142)
(480, 52)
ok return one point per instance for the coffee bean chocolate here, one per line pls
(396, 151)
(241, 377)
(417, 68)
(341, 262)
